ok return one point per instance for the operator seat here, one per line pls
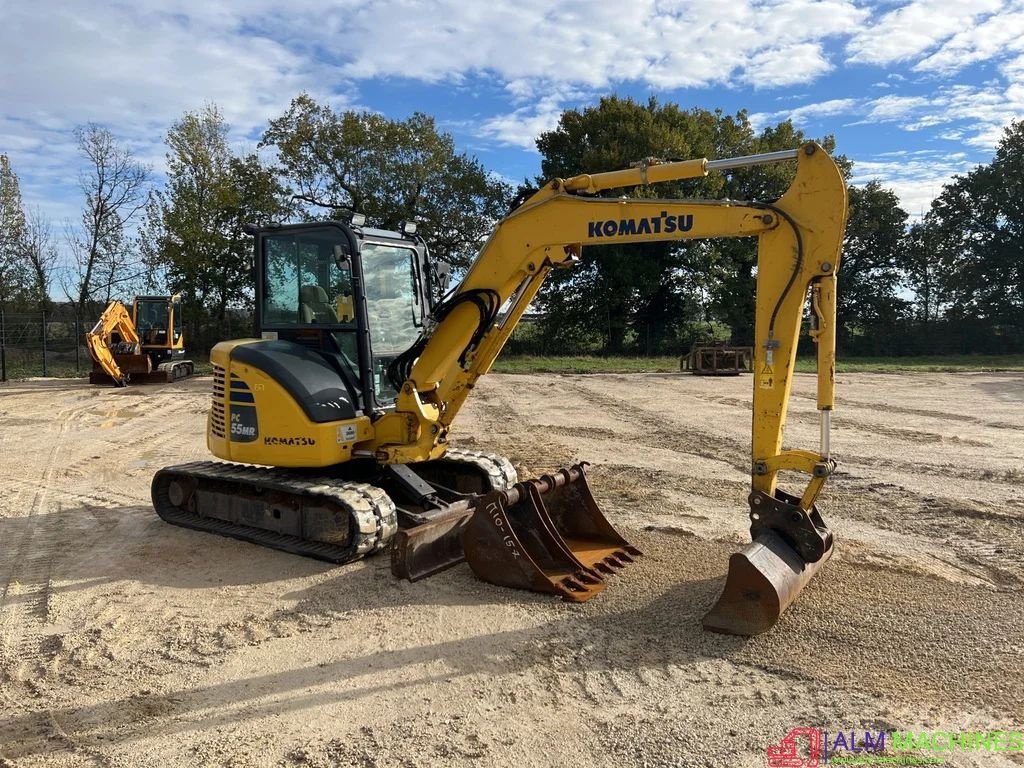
(314, 306)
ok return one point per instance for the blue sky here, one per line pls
(914, 92)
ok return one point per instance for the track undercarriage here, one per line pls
(137, 369)
(338, 516)
(545, 535)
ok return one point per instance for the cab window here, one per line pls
(303, 284)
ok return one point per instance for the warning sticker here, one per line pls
(766, 379)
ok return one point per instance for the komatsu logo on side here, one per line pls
(652, 225)
(289, 441)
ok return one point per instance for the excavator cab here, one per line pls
(158, 320)
(354, 298)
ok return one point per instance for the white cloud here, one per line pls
(915, 177)
(595, 44)
(136, 66)
(806, 113)
(521, 127)
(996, 36)
(788, 65)
(895, 107)
(983, 111)
(915, 28)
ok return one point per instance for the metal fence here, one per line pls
(42, 344)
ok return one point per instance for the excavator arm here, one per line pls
(799, 238)
(115, 319)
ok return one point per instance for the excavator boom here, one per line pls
(115, 322)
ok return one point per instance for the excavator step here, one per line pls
(317, 517)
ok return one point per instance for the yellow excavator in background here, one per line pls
(349, 397)
(145, 345)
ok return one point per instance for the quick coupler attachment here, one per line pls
(545, 535)
(789, 545)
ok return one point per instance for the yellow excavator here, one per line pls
(348, 399)
(146, 344)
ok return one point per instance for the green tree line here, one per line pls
(952, 282)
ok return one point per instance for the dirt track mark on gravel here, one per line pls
(27, 559)
(658, 428)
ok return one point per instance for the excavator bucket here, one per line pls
(768, 575)
(546, 535)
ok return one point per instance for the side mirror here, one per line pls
(342, 257)
(442, 276)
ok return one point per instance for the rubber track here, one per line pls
(373, 515)
(177, 369)
(500, 472)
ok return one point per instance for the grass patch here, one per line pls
(585, 364)
(936, 364)
(16, 371)
(65, 370)
(931, 364)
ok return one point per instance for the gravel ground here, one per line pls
(125, 641)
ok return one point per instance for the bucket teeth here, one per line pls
(546, 535)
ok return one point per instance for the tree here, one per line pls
(14, 268)
(193, 235)
(649, 296)
(42, 257)
(973, 237)
(870, 270)
(922, 272)
(114, 185)
(623, 292)
(389, 170)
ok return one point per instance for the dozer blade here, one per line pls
(545, 535)
(763, 580)
(417, 553)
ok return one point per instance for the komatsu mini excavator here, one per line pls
(349, 397)
(144, 345)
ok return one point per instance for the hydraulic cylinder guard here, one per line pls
(764, 578)
(546, 535)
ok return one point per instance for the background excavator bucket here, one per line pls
(764, 578)
(545, 535)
